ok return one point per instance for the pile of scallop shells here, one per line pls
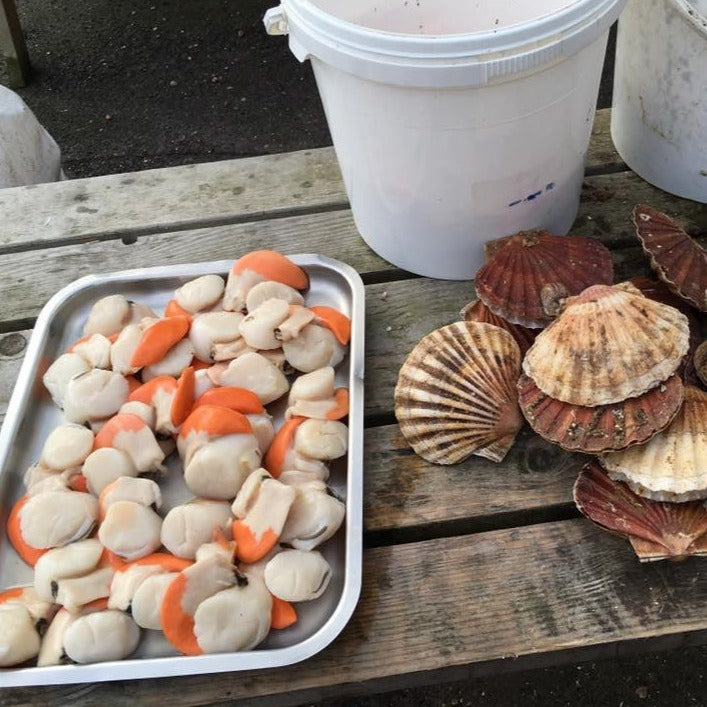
(612, 370)
(217, 571)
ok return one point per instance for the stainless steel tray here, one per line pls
(31, 416)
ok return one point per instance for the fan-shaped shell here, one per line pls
(456, 393)
(477, 311)
(528, 273)
(677, 258)
(672, 466)
(602, 428)
(606, 346)
(656, 530)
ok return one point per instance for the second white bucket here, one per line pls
(454, 122)
(659, 114)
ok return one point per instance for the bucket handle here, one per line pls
(275, 21)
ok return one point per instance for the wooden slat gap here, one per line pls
(17, 325)
(380, 419)
(130, 235)
(393, 275)
(470, 526)
(602, 169)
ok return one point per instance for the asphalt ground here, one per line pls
(153, 83)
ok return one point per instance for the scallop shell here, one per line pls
(677, 258)
(528, 273)
(456, 393)
(700, 362)
(672, 466)
(656, 530)
(659, 291)
(606, 346)
(477, 311)
(605, 427)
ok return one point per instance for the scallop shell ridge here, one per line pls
(456, 393)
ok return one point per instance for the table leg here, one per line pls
(12, 45)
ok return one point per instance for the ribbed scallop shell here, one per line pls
(606, 346)
(456, 393)
(477, 311)
(527, 274)
(659, 291)
(602, 428)
(656, 530)
(672, 466)
(677, 258)
(700, 362)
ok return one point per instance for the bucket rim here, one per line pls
(691, 14)
(493, 43)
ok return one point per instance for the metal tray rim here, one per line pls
(168, 666)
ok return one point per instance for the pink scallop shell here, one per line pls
(603, 428)
(528, 273)
(678, 259)
(657, 530)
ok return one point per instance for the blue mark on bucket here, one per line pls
(532, 197)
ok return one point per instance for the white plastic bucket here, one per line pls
(659, 115)
(454, 121)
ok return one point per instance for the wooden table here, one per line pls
(468, 569)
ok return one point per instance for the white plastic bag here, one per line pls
(28, 153)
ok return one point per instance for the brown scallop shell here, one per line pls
(603, 428)
(656, 530)
(678, 259)
(700, 362)
(477, 311)
(659, 291)
(672, 466)
(606, 346)
(527, 274)
(456, 393)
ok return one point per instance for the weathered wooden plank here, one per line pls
(493, 598)
(608, 201)
(405, 493)
(605, 213)
(171, 198)
(331, 234)
(191, 196)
